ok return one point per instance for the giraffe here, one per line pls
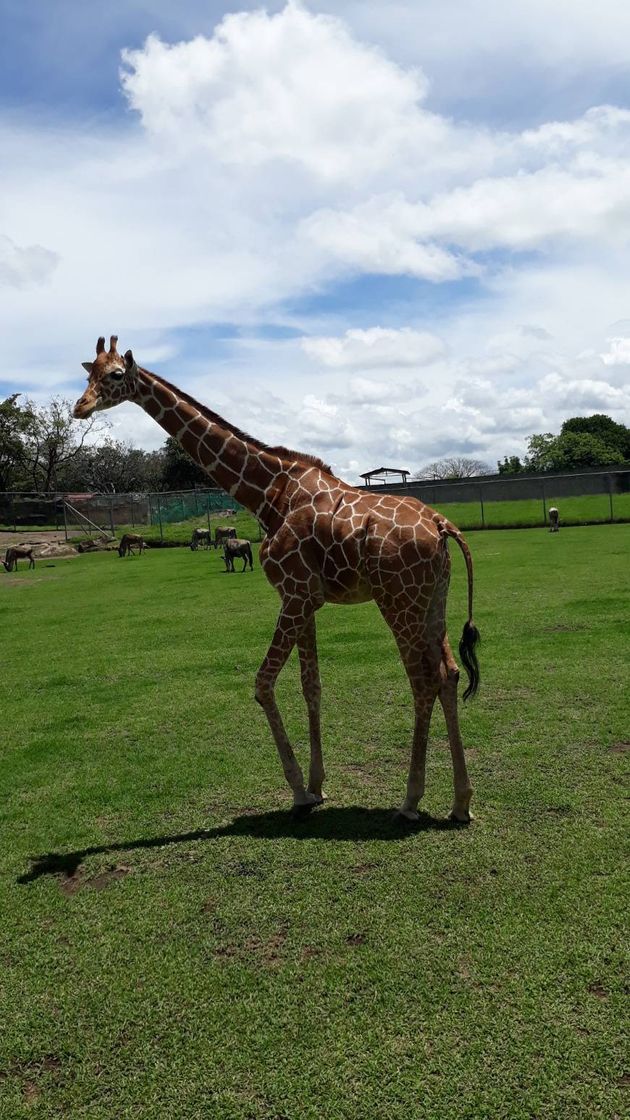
(325, 541)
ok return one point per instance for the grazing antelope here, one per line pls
(20, 552)
(201, 536)
(224, 533)
(554, 520)
(326, 542)
(129, 542)
(234, 548)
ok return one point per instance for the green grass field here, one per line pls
(176, 947)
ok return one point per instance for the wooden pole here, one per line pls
(483, 517)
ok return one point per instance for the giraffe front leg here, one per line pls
(290, 623)
(312, 690)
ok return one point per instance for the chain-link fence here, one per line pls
(499, 501)
(89, 514)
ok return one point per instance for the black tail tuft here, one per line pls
(470, 637)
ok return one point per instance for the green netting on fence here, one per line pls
(167, 507)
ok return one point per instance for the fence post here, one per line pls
(111, 515)
(544, 501)
(65, 519)
(208, 510)
(483, 517)
(610, 496)
(159, 505)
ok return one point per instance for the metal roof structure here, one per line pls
(379, 474)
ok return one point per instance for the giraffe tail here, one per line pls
(470, 634)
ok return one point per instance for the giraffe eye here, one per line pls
(117, 374)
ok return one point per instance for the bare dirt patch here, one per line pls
(356, 939)
(70, 884)
(311, 951)
(266, 951)
(36, 537)
(622, 747)
(562, 628)
(30, 1071)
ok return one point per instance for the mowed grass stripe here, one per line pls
(206, 956)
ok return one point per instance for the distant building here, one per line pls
(379, 475)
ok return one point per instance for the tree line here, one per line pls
(582, 443)
(43, 448)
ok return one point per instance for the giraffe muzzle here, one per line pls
(84, 408)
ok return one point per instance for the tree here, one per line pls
(570, 451)
(15, 425)
(453, 468)
(542, 452)
(512, 465)
(180, 471)
(53, 440)
(604, 428)
(581, 449)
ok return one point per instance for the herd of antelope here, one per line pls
(233, 546)
(225, 535)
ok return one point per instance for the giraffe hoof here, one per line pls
(461, 816)
(299, 812)
(406, 815)
(304, 808)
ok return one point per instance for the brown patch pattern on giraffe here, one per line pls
(326, 541)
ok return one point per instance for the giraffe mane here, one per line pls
(281, 451)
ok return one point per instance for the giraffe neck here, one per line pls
(255, 476)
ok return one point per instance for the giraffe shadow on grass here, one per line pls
(341, 824)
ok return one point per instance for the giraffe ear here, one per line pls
(87, 366)
(129, 362)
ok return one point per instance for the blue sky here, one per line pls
(379, 232)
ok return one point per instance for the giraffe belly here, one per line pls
(334, 594)
(346, 587)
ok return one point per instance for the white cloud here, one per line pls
(375, 348)
(474, 47)
(618, 353)
(25, 266)
(293, 86)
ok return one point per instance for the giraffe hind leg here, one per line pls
(312, 691)
(421, 658)
(449, 674)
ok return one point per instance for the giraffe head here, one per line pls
(111, 380)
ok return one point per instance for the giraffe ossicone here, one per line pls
(325, 542)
